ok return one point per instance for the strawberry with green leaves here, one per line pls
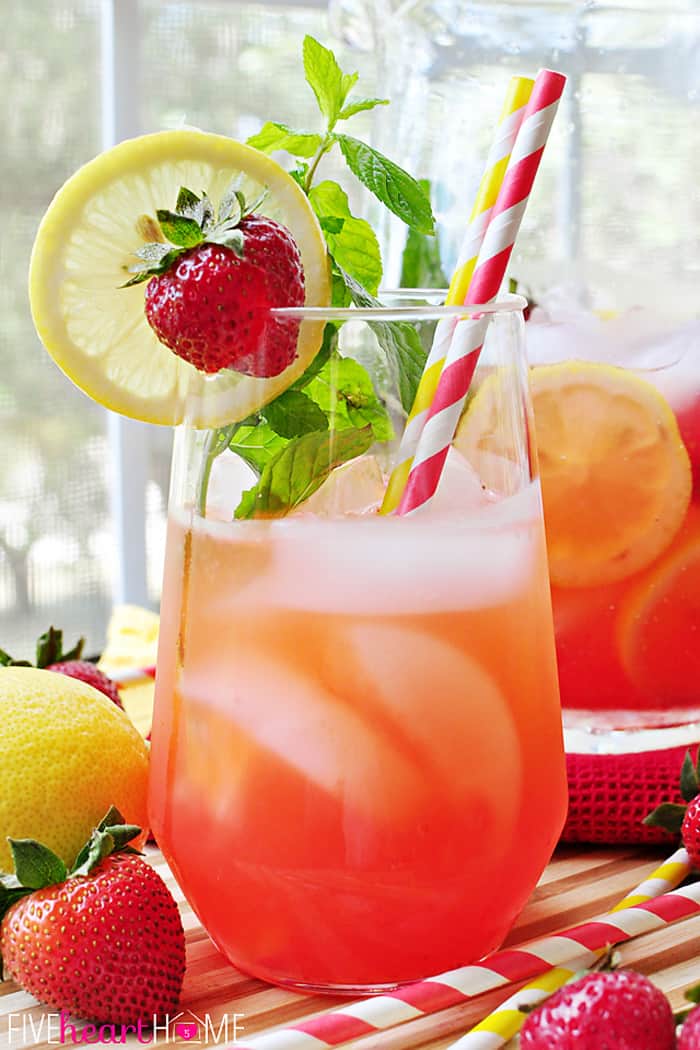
(679, 819)
(609, 1010)
(103, 941)
(213, 280)
(51, 657)
(689, 1038)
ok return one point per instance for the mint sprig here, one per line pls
(421, 266)
(299, 469)
(390, 184)
(332, 413)
(351, 242)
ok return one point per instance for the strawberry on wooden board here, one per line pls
(103, 941)
(212, 282)
(689, 1038)
(619, 1010)
(50, 656)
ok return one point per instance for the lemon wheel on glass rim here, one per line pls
(96, 331)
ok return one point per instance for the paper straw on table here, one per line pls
(133, 674)
(411, 1001)
(499, 238)
(517, 96)
(496, 1030)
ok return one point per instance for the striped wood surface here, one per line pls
(578, 884)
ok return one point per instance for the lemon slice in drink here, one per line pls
(97, 332)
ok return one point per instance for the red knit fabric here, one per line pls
(609, 795)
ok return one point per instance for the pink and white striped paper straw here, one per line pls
(462, 356)
(495, 1031)
(131, 675)
(415, 1000)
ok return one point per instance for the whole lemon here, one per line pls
(67, 754)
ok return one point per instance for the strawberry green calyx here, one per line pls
(692, 996)
(670, 815)
(36, 866)
(683, 819)
(193, 222)
(49, 650)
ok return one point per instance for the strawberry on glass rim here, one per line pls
(213, 283)
(97, 331)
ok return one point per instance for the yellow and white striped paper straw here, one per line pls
(517, 96)
(496, 1030)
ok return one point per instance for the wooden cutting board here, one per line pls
(578, 884)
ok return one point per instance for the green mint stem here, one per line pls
(318, 156)
(217, 442)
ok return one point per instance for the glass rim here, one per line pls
(507, 304)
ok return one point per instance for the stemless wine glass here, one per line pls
(358, 771)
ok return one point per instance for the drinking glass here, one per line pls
(357, 769)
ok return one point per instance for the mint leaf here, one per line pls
(299, 469)
(359, 105)
(181, 231)
(351, 241)
(392, 185)
(344, 391)
(400, 342)
(328, 346)
(36, 866)
(293, 413)
(326, 79)
(256, 444)
(300, 175)
(420, 263)
(273, 136)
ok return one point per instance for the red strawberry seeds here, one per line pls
(108, 946)
(689, 1039)
(621, 1010)
(690, 831)
(85, 671)
(212, 307)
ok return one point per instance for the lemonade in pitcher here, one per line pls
(617, 409)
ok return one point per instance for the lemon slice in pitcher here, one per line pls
(616, 479)
(96, 331)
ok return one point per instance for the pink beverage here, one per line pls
(357, 763)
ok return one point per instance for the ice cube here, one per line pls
(354, 488)
(283, 712)
(443, 706)
(378, 565)
(460, 489)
